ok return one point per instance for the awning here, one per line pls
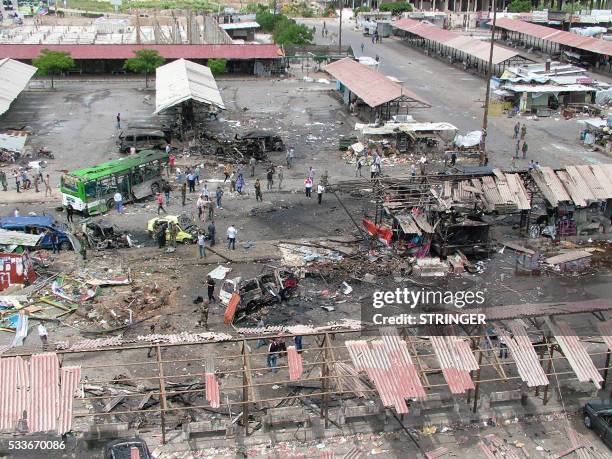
(14, 77)
(369, 85)
(183, 80)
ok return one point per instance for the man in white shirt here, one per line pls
(16, 212)
(231, 237)
(320, 190)
(42, 334)
(118, 202)
(201, 243)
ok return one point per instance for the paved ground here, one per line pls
(457, 97)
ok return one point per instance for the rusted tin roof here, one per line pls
(294, 360)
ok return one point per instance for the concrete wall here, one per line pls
(213, 34)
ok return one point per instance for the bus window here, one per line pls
(71, 183)
(107, 185)
(90, 189)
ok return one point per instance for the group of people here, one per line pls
(520, 134)
(375, 165)
(23, 181)
(277, 348)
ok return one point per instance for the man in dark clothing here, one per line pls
(118, 120)
(183, 193)
(212, 233)
(161, 235)
(54, 237)
(69, 212)
(270, 178)
(210, 285)
(258, 195)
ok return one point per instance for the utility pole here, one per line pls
(341, 3)
(485, 120)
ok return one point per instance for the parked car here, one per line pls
(598, 417)
(187, 227)
(270, 287)
(39, 225)
(122, 449)
(141, 139)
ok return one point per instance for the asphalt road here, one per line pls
(457, 97)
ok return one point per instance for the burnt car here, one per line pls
(102, 235)
(272, 286)
(127, 448)
(258, 143)
(141, 139)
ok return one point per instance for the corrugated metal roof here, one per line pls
(580, 184)
(605, 182)
(19, 238)
(14, 77)
(605, 328)
(69, 380)
(525, 356)
(456, 362)
(572, 189)
(371, 86)
(519, 192)
(44, 392)
(101, 52)
(575, 353)
(14, 387)
(468, 45)
(546, 309)
(294, 360)
(13, 140)
(183, 80)
(594, 45)
(592, 182)
(212, 390)
(550, 185)
(548, 88)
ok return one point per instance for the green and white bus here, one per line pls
(91, 190)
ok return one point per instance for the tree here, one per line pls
(217, 66)
(288, 32)
(520, 6)
(146, 61)
(53, 62)
(267, 20)
(396, 8)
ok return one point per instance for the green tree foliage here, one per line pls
(297, 10)
(362, 9)
(254, 8)
(53, 62)
(217, 66)
(267, 20)
(146, 61)
(520, 6)
(329, 12)
(396, 8)
(288, 32)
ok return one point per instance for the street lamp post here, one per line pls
(485, 120)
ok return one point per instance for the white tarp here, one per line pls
(14, 77)
(183, 80)
(471, 139)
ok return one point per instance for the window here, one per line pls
(90, 189)
(70, 183)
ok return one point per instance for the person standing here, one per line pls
(524, 150)
(196, 174)
(191, 181)
(517, 129)
(118, 202)
(311, 173)
(289, 157)
(48, 189)
(205, 192)
(211, 209)
(3, 181)
(227, 171)
(210, 286)
(173, 230)
(200, 204)
(233, 182)
(320, 190)
(16, 212)
(36, 183)
(412, 170)
(232, 232)
(270, 178)
(212, 233)
(160, 234)
(252, 163)
(183, 193)
(358, 166)
(17, 178)
(308, 187)
(219, 196)
(54, 239)
(201, 243)
(171, 160)
(118, 120)
(239, 184)
(517, 148)
(167, 188)
(298, 342)
(273, 350)
(374, 170)
(280, 177)
(362, 48)
(203, 322)
(43, 335)
(160, 203)
(69, 213)
(523, 131)
(258, 195)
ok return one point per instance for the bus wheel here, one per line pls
(155, 188)
(109, 204)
